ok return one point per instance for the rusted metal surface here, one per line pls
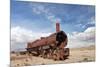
(43, 41)
(57, 27)
(51, 47)
(50, 40)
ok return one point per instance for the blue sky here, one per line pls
(31, 20)
(72, 17)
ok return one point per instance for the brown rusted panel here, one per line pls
(39, 43)
(50, 40)
(43, 41)
(57, 27)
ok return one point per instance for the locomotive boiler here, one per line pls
(52, 47)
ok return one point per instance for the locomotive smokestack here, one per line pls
(57, 26)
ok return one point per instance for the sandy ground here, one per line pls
(77, 55)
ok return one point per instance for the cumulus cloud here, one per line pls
(21, 36)
(82, 39)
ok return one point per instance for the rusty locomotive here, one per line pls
(52, 47)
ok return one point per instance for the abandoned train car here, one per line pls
(52, 47)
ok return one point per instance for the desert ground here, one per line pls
(77, 55)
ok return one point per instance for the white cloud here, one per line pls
(42, 9)
(91, 21)
(82, 39)
(38, 9)
(21, 36)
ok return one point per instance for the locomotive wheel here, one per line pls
(67, 53)
(61, 57)
(44, 55)
(35, 53)
(49, 56)
(55, 57)
(61, 54)
(40, 55)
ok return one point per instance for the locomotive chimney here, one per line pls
(57, 26)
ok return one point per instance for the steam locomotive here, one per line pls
(52, 47)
